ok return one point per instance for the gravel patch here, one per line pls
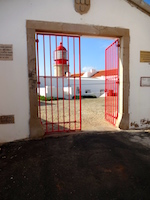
(93, 114)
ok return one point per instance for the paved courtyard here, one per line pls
(83, 166)
(93, 114)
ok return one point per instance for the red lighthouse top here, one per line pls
(60, 55)
(60, 47)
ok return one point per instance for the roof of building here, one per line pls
(76, 75)
(111, 72)
(141, 5)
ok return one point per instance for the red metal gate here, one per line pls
(112, 82)
(58, 89)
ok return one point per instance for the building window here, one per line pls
(87, 91)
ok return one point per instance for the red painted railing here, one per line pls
(112, 82)
(59, 95)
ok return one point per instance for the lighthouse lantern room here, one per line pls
(60, 61)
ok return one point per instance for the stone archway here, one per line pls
(78, 29)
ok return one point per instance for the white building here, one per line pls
(19, 20)
(89, 87)
(63, 85)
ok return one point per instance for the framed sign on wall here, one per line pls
(145, 81)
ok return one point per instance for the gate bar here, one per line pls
(63, 84)
(45, 79)
(57, 86)
(68, 78)
(51, 80)
(74, 83)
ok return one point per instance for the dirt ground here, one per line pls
(93, 114)
(85, 166)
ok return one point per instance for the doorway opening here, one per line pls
(73, 70)
(78, 30)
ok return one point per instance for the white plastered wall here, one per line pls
(14, 74)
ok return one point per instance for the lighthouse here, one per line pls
(60, 61)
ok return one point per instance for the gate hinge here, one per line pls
(38, 82)
(36, 40)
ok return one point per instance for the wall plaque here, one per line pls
(7, 119)
(6, 52)
(145, 82)
(145, 56)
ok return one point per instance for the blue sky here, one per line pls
(147, 1)
(92, 53)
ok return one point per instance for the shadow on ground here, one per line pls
(86, 166)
